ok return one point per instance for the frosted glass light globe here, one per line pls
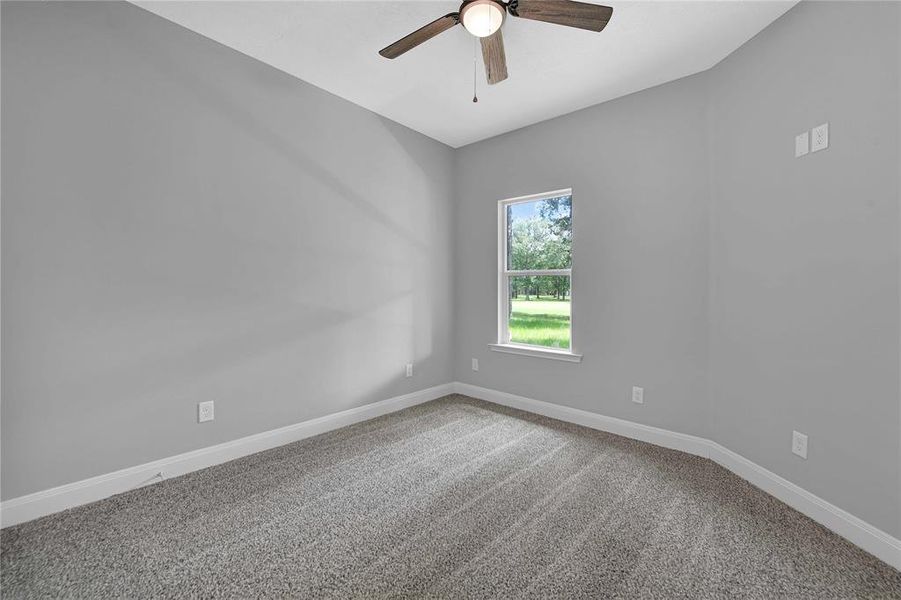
(482, 17)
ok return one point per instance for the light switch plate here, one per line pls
(819, 138)
(409, 370)
(801, 144)
(205, 411)
(799, 444)
(475, 364)
(638, 395)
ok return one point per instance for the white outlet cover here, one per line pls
(819, 138)
(638, 395)
(205, 411)
(475, 364)
(799, 444)
(409, 370)
(801, 144)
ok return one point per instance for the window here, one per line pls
(535, 276)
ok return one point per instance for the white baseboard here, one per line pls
(38, 504)
(857, 531)
(875, 541)
(645, 433)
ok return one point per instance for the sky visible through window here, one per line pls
(527, 210)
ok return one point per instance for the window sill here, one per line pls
(564, 355)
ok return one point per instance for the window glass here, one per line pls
(539, 234)
(539, 310)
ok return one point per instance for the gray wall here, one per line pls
(183, 223)
(638, 170)
(804, 254)
(802, 325)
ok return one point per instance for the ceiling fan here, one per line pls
(483, 19)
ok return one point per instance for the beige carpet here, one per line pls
(451, 499)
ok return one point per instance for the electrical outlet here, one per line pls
(409, 369)
(819, 138)
(475, 364)
(638, 395)
(205, 411)
(799, 444)
(802, 144)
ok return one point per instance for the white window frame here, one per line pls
(503, 278)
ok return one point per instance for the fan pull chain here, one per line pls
(475, 43)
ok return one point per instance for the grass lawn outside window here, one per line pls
(542, 321)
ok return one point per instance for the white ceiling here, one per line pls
(553, 69)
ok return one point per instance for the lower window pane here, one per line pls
(540, 311)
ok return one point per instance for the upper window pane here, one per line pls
(539, 234)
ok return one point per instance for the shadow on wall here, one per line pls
(439, 264)
(371, 277)
(360, 255)
(269, 246)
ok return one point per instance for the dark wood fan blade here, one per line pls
(421, 35)
(494, 57)
(592, 17)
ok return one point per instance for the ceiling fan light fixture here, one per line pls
(482, 18)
